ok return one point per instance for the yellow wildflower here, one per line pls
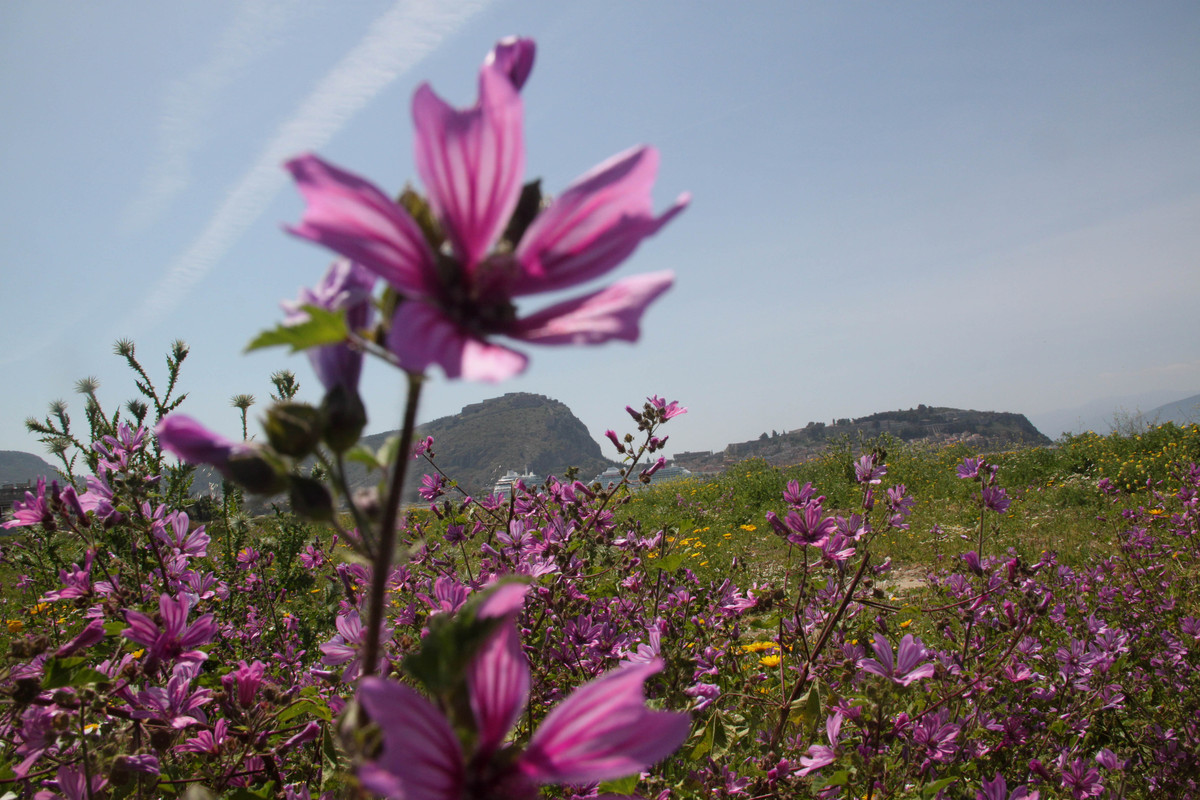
(769, 661)
(906, 623)
(15, 626)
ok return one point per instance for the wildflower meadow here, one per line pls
(887, 620)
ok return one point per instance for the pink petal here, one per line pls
(504, 599)
(514, 58)
(142, 629)
(421, 755)
(472, 162)
(421, 335)
(174, 615)
(603, 731)
(498, 679)
(883, 651)
(611, 313)
(350, 216)
(594, 225)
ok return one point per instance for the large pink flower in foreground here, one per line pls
(602, 731)
(459, 292)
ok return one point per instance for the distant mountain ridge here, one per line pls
(983, 429)
(531, 432)
(1103, 414)
(18, 467)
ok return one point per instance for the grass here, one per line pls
(1056, 505)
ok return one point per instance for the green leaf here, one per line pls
(364, 456)
(839, 778)
(387, 451)
(669, 563)
(264, 792)
(805, 710)
(114, 628)
(622, 786)
(62, 672)
(321, 328)
(317, 709)
(705, 745)
(931, 790)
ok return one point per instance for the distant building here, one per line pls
(612, 475)
(11, 493)
(508, 480)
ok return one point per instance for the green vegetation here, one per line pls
(1055, 503)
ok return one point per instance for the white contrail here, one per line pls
(395, 42)
(190, 103)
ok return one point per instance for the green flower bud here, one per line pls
(293, 429)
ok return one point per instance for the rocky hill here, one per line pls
(981, 429)
(520, 431)
(19, 467)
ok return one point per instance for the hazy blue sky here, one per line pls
(984, 205)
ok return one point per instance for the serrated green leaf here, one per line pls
(621, 786)
(321, 328)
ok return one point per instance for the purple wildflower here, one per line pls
(601, 731)
(820, 755)
(807, 526)
(33, 510)
(997, 789)
(1082, 779)
(867, 471)
(431, 487)
(996, 499)
(247, 677)
(471, 162)
(176, 705)
(207, 742)
(344, 647)
(73, 784)
(91, 634)
(174, 531)
(904, 669)
(667, 410)
(176, 639)
(192, 442)
(969, 468)
(796, 495)
(346, 287)
(77, 581)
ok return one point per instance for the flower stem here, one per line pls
(387, 532)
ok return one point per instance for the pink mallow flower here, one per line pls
(459, 283)
(72, 783)
(33, 510)
(346, 287)
(601, 731)
(904, 669)
(175, 639)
